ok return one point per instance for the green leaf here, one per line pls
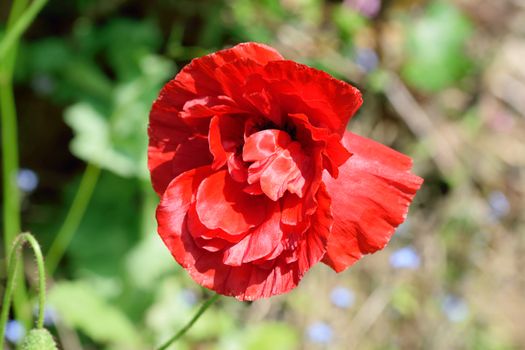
(80, 307)
(127, 42)
(148, 261)
(115, 137)
(49, 55)
(436, 55)
(348, 21)
(92, 141)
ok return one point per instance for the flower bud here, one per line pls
(39, 339)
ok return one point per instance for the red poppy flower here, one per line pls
(259, 179)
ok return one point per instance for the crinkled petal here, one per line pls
(251, 280)
(256, 93)
(279, 163)
(225, 135)
(198, 230)
(370, 198)
(312, 246)
(289, 170)
(194, 91)
(327, 102)
(263, 144)
(262, 241)
(190, 154)
(199, 77)
(333, 152)
(221, 203)
(208, 106)
(175, 203)
(166, 132)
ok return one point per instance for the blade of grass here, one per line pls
(73, 217)
(23, 22)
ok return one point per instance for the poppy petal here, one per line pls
(221, 203)
(262, 241)
(175, 203)
(370, 198)
(328, 102)
(190, 154)
(199, 77)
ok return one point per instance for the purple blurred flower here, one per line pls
(405, 258)
(342, 297)
(14, 331)
(369, 8)
(320, 332)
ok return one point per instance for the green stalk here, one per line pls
(11, 200)
(23, 22)
(15, 255)
(10, 165)
(73, 217)
(187, 327)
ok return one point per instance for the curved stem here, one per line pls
(73, 217)
(14, 257)
(21, 25)
(187, 327)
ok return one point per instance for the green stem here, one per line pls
(11, 199)
(187, 327)
(15, 255)
(10, 165)
(73, 218)
(21, 25)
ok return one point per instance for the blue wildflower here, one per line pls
(14, 331)
(342, 297)
(499, 204)
(320, 332)
(50, 315)
(27, 180)
(366, 59)
(189, 297)
(405, 258)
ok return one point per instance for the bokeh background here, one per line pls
(443, 81)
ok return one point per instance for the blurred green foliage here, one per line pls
(436, 48)
(91, 70)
